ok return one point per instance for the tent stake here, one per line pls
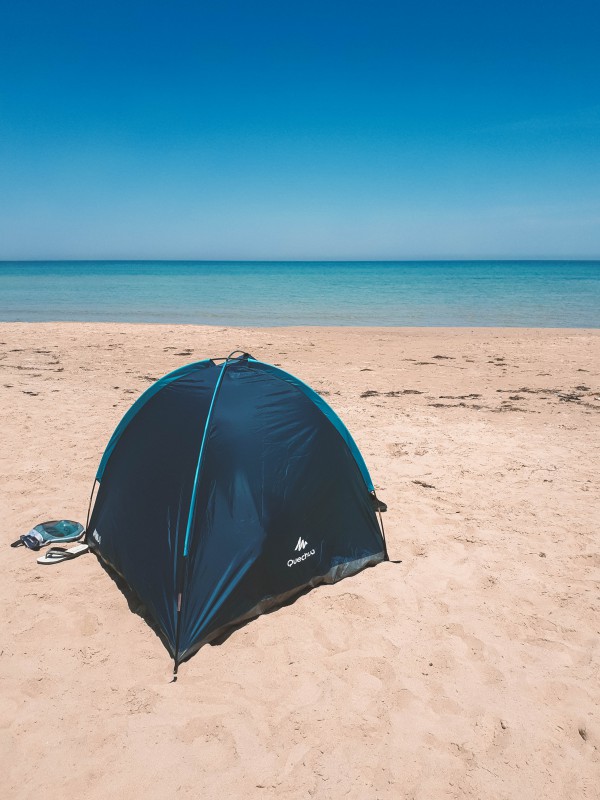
(177, 629)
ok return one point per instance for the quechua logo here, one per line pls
(301, 544)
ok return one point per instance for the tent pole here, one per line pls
(190, 520)
(87, 519)
(192, 510)
(387, 558)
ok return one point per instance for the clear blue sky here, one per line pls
(251, 129)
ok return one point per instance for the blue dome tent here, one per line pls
(226, 490)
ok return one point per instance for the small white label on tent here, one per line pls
(300, 546)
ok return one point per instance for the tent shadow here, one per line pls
(221, 636)
(133, 601)
(136, 606)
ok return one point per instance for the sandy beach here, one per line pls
(468, 670)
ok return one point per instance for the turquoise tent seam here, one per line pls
(200, 460)
(329, 413)
(140, 403)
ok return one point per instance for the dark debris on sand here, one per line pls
(374, 393)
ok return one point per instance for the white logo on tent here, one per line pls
(301, 544)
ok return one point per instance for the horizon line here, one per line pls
(450, 259)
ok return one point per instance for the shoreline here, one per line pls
(388, 328)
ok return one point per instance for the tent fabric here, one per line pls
(141, 401)
(329, 413)
(227, 490)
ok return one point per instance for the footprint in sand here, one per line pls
(355, 605)
(140, 700)
(87, 623)
(213, 738)
(478, 652)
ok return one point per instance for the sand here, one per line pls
(469, 670)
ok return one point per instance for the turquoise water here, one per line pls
(438, 293)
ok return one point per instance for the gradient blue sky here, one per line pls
(266, 130)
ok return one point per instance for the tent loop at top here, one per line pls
(230, 357)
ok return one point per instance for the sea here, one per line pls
(561, 294)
